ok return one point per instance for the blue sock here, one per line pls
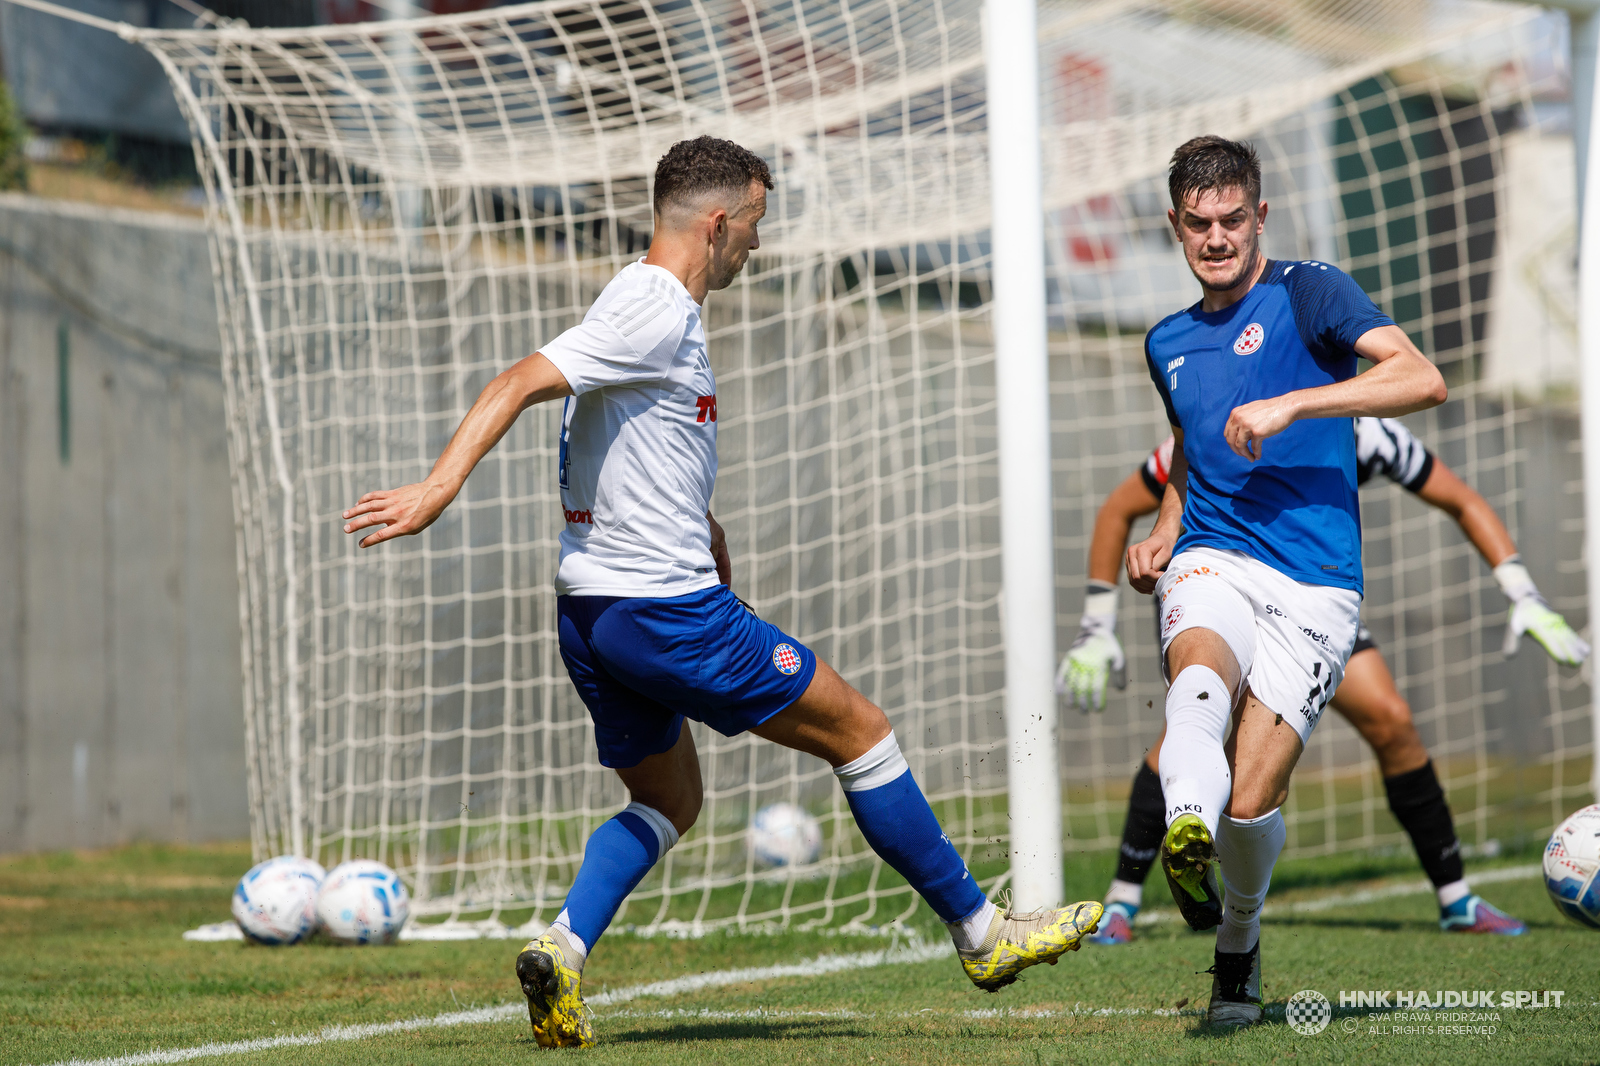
(615, 860)
(894, 816)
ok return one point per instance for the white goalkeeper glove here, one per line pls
(1095, 656)
(1532, 615)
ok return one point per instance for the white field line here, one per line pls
(1355, 899)
(824, 964)
(332, 1034)
(817, 967)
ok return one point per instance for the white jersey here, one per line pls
(638, 442)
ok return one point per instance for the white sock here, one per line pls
(882, 763)
(563, 925)
(1248, 849)
(1125, 892)
(970, 932)
(1455, 890)
(1194, 770)
(666, 832)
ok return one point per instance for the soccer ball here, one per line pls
(362, 902)
(784, 834)
(1572, 867)
(276, 902)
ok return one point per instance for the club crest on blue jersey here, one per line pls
(786, 659)
(1250, 339)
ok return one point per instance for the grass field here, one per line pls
(92, 965)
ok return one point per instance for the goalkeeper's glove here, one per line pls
(1095, 656)
(1532, 615)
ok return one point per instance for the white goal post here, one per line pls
(400, 210)
(1022, 383)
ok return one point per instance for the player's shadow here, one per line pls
(742, 1029)
(1393, 925)
(1272, 1017)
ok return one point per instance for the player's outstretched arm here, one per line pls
(1127, 503)
(1401, 380)
(410, 509)
(1529, 612)
(1472, 513)
(1148, 558)
(1096, 656)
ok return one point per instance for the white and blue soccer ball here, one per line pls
(1572, 866)
(362, 902)
(276, 902)
(784, 834)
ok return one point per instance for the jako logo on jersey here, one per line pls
(581, 517)
(786, 659)
(707, 405)
(1250, 339)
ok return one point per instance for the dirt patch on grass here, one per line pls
(22, 903)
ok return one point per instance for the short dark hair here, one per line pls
(704, 164)
(1209, 163)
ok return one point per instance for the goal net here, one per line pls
(401, 210)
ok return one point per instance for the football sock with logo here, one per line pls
(1142, 832)
(1248, 848)
(1417, 801)
(615, 860)
(1194, 770)
(894, 816)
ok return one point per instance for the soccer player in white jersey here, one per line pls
(1256, 554)
(1366, 697)
(650, 631)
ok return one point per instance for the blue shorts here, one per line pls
(644, 664)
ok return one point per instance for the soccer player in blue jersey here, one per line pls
(1256, 553)
(650, 630)
(1366, 697)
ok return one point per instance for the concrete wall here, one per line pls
(66, 74)
(120, 713)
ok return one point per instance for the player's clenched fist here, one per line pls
(402, 512)
(1254, 422)
(1147, 559)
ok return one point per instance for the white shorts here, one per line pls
(1291, 638)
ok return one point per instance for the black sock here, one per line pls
(1419, 806)
(1147, 823)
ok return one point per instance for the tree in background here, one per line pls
(13, 139)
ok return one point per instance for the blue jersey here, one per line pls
(1294, 508)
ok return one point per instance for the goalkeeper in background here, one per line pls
(1366, 697)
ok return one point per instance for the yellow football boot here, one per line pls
(551, 984)
(1017, 941)
(1189, 859)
